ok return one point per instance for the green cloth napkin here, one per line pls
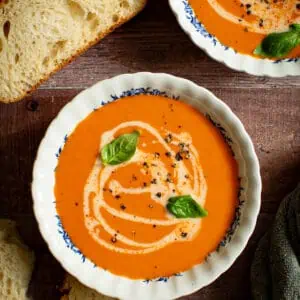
(275, 272)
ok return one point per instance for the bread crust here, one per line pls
(73, 57)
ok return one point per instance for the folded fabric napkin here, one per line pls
(275, 272)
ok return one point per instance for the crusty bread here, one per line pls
(16, 263)
(74, 290)
(39, 37)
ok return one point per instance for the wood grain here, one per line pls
(269, 109)
(154, 42)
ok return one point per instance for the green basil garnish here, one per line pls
(279, 44)
(120, 149)
(185, 207)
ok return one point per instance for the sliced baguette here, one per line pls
(16, 263)
(39, 37)
(74, 290)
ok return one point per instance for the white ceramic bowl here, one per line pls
(239, 62)
(60, 243)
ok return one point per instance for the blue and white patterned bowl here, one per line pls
(60, 243)
(239, 62)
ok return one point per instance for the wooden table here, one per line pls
(153, 41)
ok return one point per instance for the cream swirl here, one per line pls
(192, 183)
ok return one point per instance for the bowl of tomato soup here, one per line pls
(258, 37)
(146, 186)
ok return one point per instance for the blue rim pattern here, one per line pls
(67, 239)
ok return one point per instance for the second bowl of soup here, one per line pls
(258, 37)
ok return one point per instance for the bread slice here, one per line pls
(74, 290)
(39, 37)
(16, 263)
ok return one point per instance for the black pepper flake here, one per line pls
(155, 267)
(173, 165)
(154, 181)
(145, 164)
(150, 206)
(184, 234)
(168, 138)
(298, 5)
(117, 196)
(181, 146)
(169, 179)
(134, 178)
(110, 190)
(168, 154)
(158, 195)
(154, 226)
(122, 206)
(178, 156)
(179, 126)
(113, 239)
(144, 184)
(76, 203)
(104, 189)
(156, 155)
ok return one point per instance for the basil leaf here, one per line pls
(185, 207)
(279, 44)
(120, 149)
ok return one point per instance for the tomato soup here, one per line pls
(243, 24)
(146, 186)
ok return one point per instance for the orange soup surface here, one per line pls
(117, 214)
(243, 24)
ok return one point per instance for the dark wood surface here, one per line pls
(153, 41)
